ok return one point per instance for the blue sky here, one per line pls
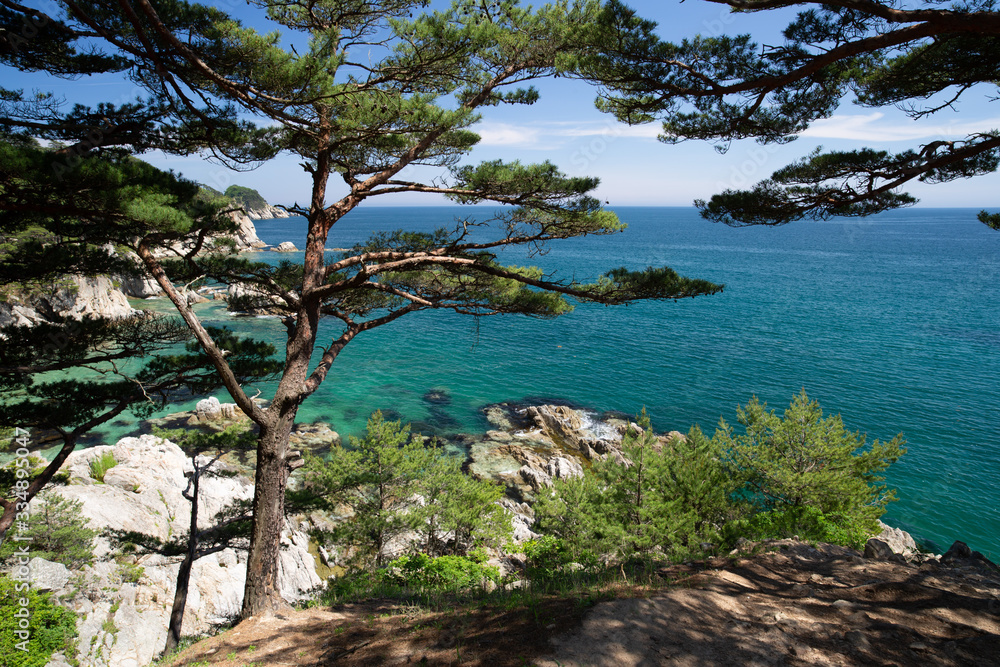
(634, 168)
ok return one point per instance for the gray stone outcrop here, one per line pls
(123, 611)
(267, 212)
(74, 298)
(246, 234)
(48, 576)
(898, 541)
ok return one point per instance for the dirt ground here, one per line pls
(800, 605)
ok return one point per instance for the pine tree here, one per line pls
(458, 513)
(808, 467)
(369, 91)
(55, 530)
(918, 56)
(673, 498)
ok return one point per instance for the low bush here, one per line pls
(50, 628)
(806, 523)
(450, 573)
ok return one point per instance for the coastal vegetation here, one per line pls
(248, 198)
(55, 531)
(391, 484)
(50, 627)
(413, 100)
(656, 502)
(83, 205)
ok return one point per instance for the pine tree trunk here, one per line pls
(180, 601)
(262, 594)
(184, 572)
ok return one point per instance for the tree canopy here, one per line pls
(920, 56)
(368, 91)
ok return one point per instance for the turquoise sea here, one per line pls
(891, 321)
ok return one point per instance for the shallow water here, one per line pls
(892, 321)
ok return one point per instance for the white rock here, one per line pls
(143, 492)
(900, 541)
(560, 467)
(208, 407)
(285, 246)
(46, 575)
(536, 479)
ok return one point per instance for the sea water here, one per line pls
(891, 321)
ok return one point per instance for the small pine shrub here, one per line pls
(51, 628)
(131, 573)
(56, 531)
(101, 465)
(547, 556)
(806, 474)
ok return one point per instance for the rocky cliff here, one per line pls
(255, 206)
(74, 297)
(267, 212)
(123, 602)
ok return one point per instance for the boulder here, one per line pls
(958, 551)
(574, 431)
(139, 287)
(48, 576)
(246, 234)
(208, 408)
(533, 477)
(560, 467)
(253, 300)
(285, 246)
(877, 549)
(266, 212)
(193, 297)
(900, 541)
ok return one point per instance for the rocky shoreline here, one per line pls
(528, 447)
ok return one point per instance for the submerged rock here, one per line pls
(437, 397)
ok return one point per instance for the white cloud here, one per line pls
(502, 134)
(555, 134)
(874, 127)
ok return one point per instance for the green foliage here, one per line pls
(248, 198)
(392, 483)
(51, 628)
(919, 57)
(805, 460)
(548, 556)
(458, 513)
(807, 523)
(33, 465)
(131, 573)
(671, 498)
(57, 533)
(377, 481)
(421, 571)
(101, 464)
(800, 474)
